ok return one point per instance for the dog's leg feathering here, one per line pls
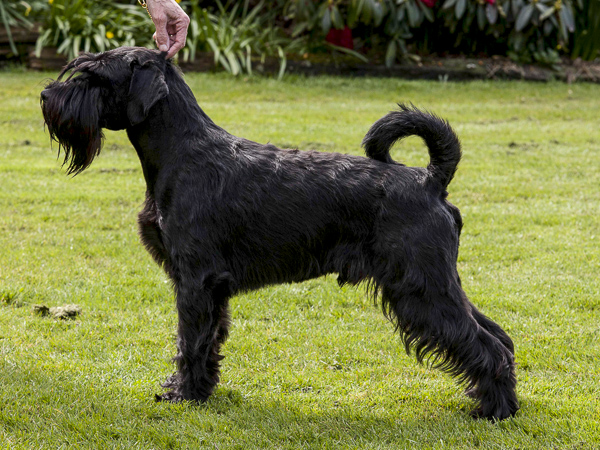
(436, 324)
(202, 329)
(495, 330)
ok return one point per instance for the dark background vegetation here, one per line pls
(241, 34)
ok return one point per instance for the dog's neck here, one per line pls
(179, 113)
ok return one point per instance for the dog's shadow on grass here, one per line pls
(277, 421)
(229, 419)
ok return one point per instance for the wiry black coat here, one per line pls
(225, 215)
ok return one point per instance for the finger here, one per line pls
(178, 41)
(162, 36)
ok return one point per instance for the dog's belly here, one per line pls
(275, 241)
(285, 248)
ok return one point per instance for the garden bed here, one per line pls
(450, 68)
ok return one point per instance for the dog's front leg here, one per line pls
(203, 327)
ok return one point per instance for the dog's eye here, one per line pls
(91, 78)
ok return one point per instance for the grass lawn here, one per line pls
(307, 365)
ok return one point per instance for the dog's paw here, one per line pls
(494, 415)
(177, 391)
(478, 413)
(471, 392)
(170, 396)
(174, 392)
(172, 382)
(176, 396)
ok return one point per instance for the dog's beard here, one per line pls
(72, 115)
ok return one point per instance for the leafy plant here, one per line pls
(587, 33)
(389, 21)
(523, 26)
(14, 14)
(237, 36)
(83, 25)
(242, 34)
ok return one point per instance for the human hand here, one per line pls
(171, 25)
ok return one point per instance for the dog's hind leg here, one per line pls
(437, 323)
(491, 326)
(494, 329)
(203, 326)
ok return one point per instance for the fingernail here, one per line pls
(163, 48)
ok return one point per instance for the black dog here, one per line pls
(225, 215)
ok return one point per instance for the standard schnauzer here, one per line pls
(225, 215)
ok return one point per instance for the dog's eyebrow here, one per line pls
(78, 65)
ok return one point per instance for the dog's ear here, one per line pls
(146, 88)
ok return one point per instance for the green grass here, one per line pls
(307, 365)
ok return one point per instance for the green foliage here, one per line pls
(587, 32)
(237, 35)
(241, 34)
(307, 365)
(387, 23)
(90, 25)
(13, 14)
(524, 27)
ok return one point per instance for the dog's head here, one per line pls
(114, 90)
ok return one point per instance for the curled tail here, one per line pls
(442, 142)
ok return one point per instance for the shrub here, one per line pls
(241, 33)
(518, 27)
(237, 35)
(14, 14)
(91, 25)
(587, 32)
